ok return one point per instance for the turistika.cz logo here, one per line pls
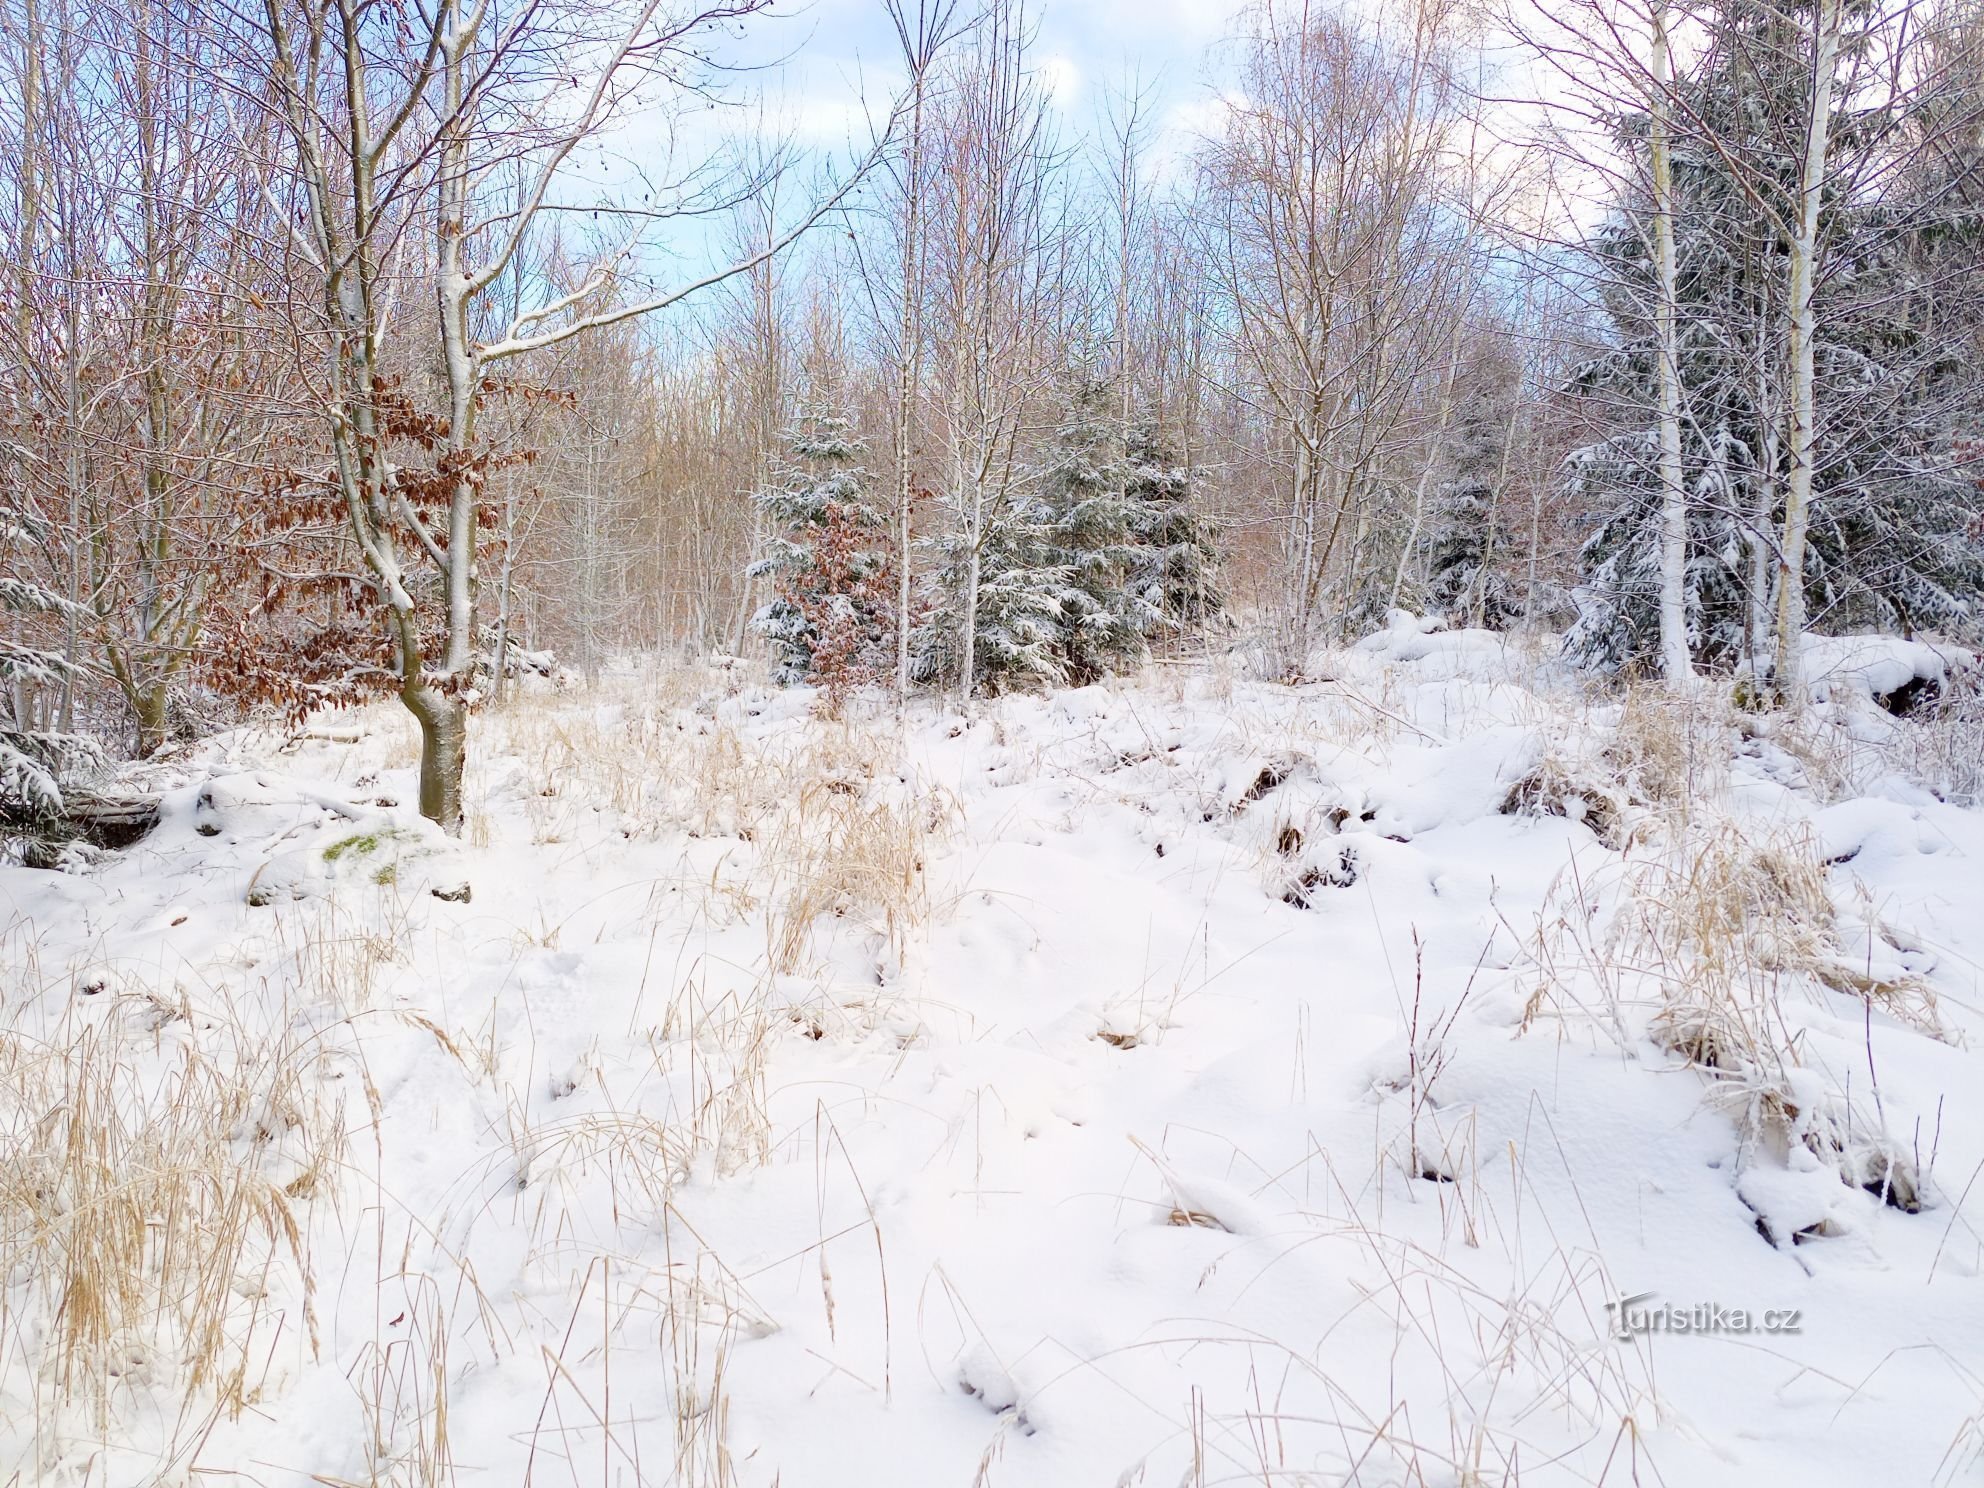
(1627, 1318)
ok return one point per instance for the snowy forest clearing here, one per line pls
(1186, 1081)
(1074, 985)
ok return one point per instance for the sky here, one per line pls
(1085, 50)
(821, 74)
(821, 70)
(817, 72)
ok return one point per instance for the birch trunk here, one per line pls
(463, 366)
(1801, 326)
(1676, 658)
(503, 575)
(908, 373)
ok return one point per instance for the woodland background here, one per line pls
(328, 370)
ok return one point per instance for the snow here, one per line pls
(1868, 666)
(1043, 1096)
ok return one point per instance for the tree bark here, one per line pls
(1676, 658)
(443, 753)
(153, 707)
(910, 349)
(1801, 334)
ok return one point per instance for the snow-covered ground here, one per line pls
(1185, 1082)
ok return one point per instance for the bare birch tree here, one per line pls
(1327, 218)
(921, 37)
(992, 167)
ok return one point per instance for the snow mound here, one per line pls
(395, 855)
(1451, 653)
(1887, 670)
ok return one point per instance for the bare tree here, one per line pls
(756, 317)
(399, 138)
(1341, 253)
(990, 212)
(921, 37)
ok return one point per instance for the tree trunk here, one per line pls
(502, 660)
(910, 349)
(1676, 658)
(443, 753)
(1759, 603)
(153, 707)
(1801, 334)
(968, 682)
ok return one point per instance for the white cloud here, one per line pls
(1063, 78)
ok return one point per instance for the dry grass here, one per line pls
(837, 830)
(1695, 939)
(1664, 755)
(1561, 784)
(154, 1188)
(1519, 1375)
(847, 845)
(1671, 752)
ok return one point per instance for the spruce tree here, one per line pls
(1462, 582)
(1102, 551)
(1092, 518)
(1022, 586)
(1174, 562)
(37, 764)
(831, 618)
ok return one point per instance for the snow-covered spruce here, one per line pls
(37, 761)
(1101, 552)
(831, 617)
(1892, 517)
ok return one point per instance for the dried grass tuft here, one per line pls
(151, 1210)
(1695, 939)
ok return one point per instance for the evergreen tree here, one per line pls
(1092, 519)
(1022, 587)
(1887, 544)
(36, 763)
(831, 619)
(1174, 564)
(1462, 582)
(1102, 552)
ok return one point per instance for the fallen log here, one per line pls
(110, 821)
(105, 821)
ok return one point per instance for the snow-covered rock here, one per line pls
(1888, 670)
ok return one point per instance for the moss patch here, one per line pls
(365, 844)
(359, 846)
